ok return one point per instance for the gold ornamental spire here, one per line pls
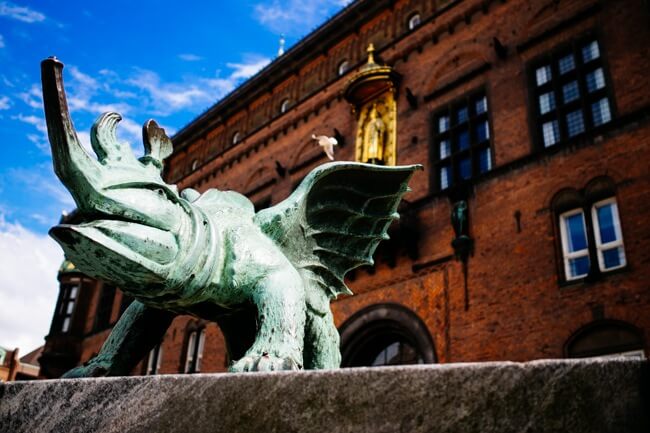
(371, 53)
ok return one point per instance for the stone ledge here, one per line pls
(542, 396)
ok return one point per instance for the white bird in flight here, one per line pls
(327, 143)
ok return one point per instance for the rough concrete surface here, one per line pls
(542, 396)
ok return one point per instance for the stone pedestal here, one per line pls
(544, 396)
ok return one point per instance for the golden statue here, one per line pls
(374, 138)
(372, 94)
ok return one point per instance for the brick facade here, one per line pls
(513, 303)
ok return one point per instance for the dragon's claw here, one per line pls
(264, 362)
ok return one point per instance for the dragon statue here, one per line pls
(265, 278)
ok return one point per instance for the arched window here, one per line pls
(385, 334)
(590, 233)
(343, 67)
(414, 21)
(284, 106)
(194, 352)
(236, 137)
(604, 339)
(195, 164)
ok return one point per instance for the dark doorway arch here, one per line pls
(605, 337)
(385, 334)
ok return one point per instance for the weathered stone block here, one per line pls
(543, 396)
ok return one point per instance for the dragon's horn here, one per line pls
(157, 145)
(72, 164)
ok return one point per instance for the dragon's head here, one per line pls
(134, 225)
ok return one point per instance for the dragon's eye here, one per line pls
(160, 192)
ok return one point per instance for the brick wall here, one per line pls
(517, 307)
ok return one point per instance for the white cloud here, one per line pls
(247, 69)
(2, 41)
(33, 97)
(20, 13)
(167, 98)
(189, 57)
(40, 140)
(295, 17)
(28, 285)
(5, 103)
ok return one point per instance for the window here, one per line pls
(343, 67)
(606, 339)
(154, 360)
(104, 307)
(236, 137)
(607, 231)
(195, 164)
(385, 334)
(571, 93)
(67, 302)
(590, 231)
(414, 21)
(462, 141)
(194, 354)
(284, 106)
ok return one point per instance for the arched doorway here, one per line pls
(385, 334)
(605, 338)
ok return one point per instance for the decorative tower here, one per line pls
(372, 93)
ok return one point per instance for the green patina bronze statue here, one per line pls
(266, 278)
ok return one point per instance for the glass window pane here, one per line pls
(66, 325)
(551, 132)
(543, 75)
(570, 91)
(463, 140)
(414, 21)
(443, 123)
(567, 64)
(445, 149)
(70, 307)
(546, 102)
(481, 105)
(606, 223)
(590, 51)
(613, 258)
(461, 115)
(579, 267)
(444, 177)
(600, 112)
(575, 230)
(485, 160)
(73, 292)
(465, 168)
(595, 80)
(575, 123)
(482, 131)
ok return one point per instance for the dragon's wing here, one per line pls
(335, 219)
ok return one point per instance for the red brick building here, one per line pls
(536, 114)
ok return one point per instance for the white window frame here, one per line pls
(284, 106)
(570, 255)
(343, 67)
(193, 350)
(600, 247)
(414, 21)
(69, 304)
(151, 368)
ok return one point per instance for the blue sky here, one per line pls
(143, 59)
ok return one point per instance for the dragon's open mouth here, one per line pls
(116, 247)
